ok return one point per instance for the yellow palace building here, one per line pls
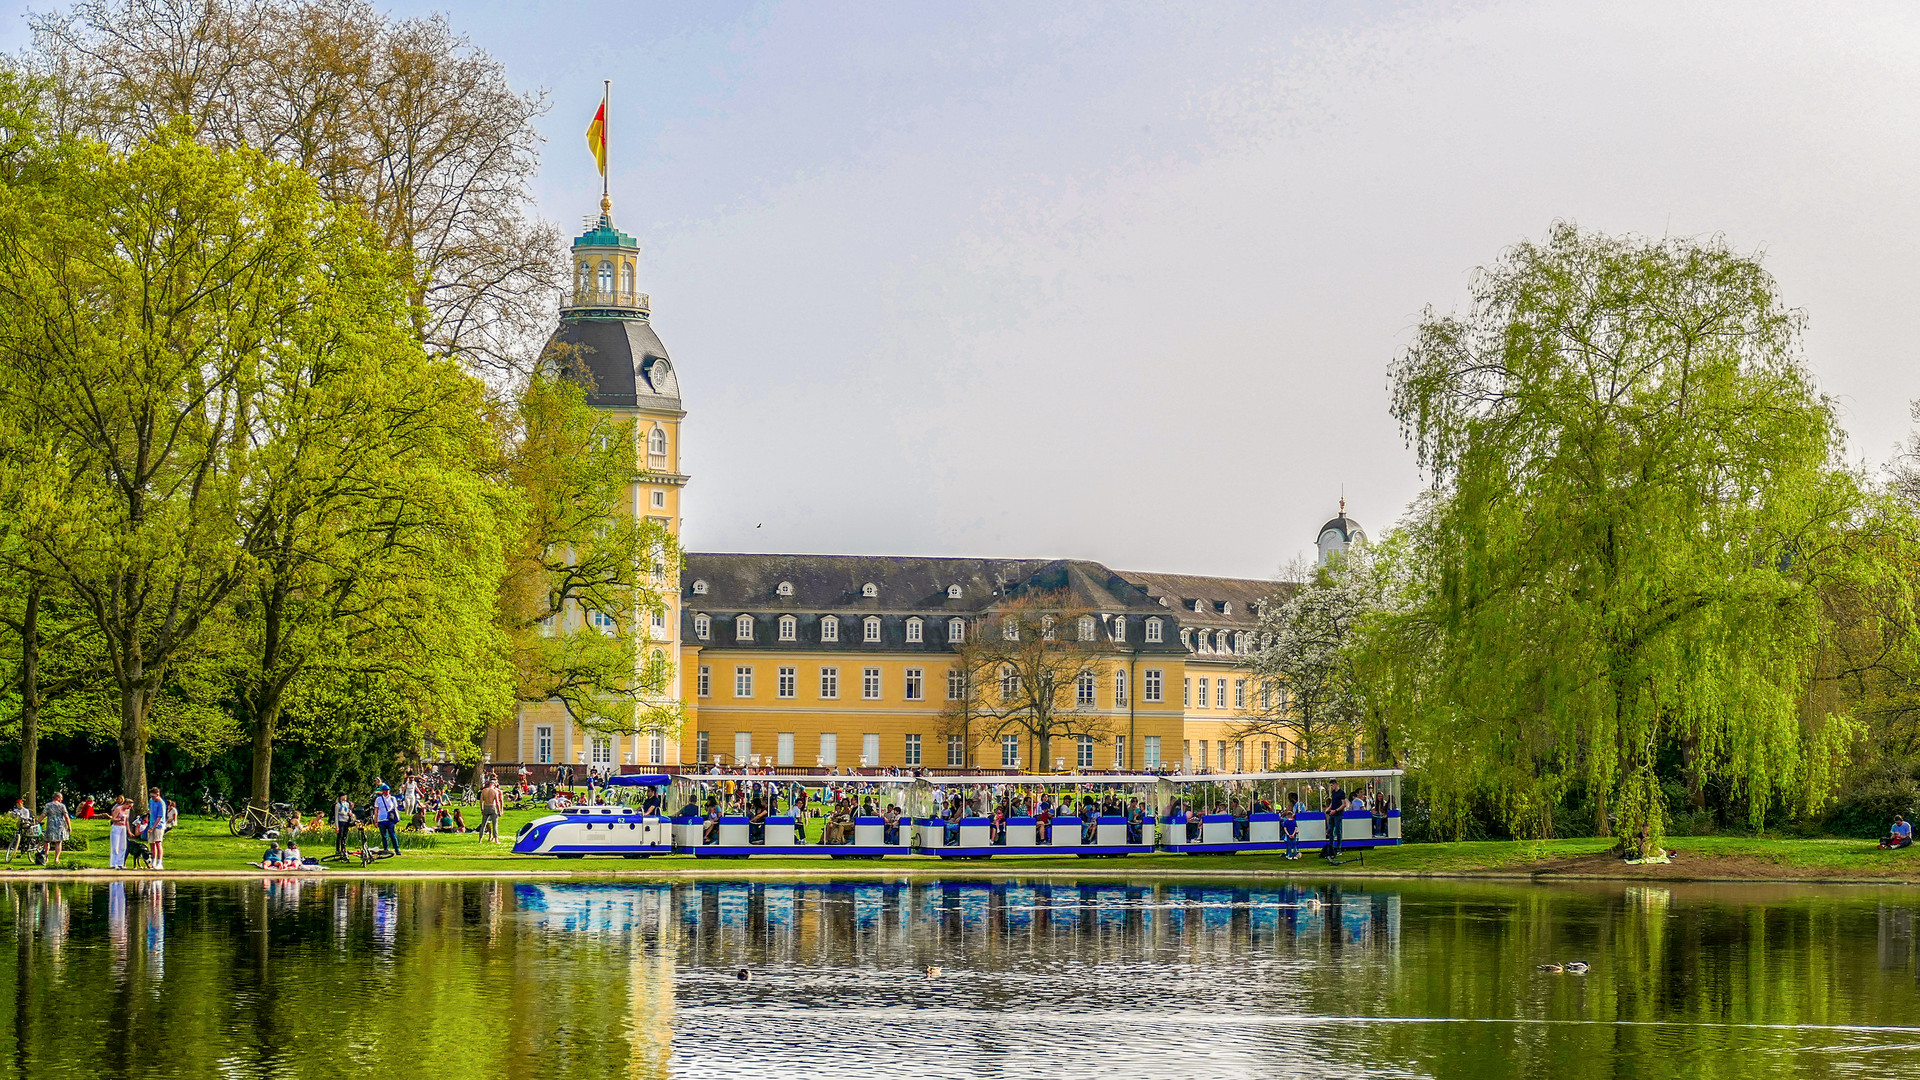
(846, 662)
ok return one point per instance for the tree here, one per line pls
(404, 119)
(1025, 669)
(586, 574)
(1309, 689)
(152, 295)
(1637, 494)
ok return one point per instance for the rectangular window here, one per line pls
(830, 749)
(1266, 757)
(1186, 692)
(543, 745)
(789, 682)
(912, 753)
(1239, 693)
(1152, 752)
(1153, 630)
(703, 747)
(1220, 694)
(956, 751)
(789, 628)
(600, 751)
(1153, 680)
(1202, 702)
(1186, 754)
(956, 630)
(913, 629)
(829, 629)
(1119, 689)
(743, 682)
(660, 623)
(1119, 752)
(656, 750)
(956, 684)
(1202, 762)
(1085, 757)
(1222, 752)
(1266, 697)
(786, 749)
(830, 683)
(870, 750)
(1083, 690)
(659, 499)
(1009, 751)
(873, 630)
(916, 684)
(1239, 757)
(704, 684)
(602, 622)
(742, 747)
(870, 683)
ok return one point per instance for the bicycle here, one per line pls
(251, 822)
(214, 805)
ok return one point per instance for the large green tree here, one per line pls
(1638, 496)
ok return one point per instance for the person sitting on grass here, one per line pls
(290, 857)
(443, 821)
(1901, 835)
(459, 821)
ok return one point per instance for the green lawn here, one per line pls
(202, 844)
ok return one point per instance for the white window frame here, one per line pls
(1086, 628)
(1151, 754)
(789, 628)
(1239, 693)
(743, 681)
(915, 634)
(1220, 693)
(657, 441)
(870, 684)
(543, 744)
(703, 626)
(869, 590)
(830, 684)
(700, 588)
(956, 684)
(870, 628)
(742, 746)
(702, 747)
(703, 683)
(870, 750)
(910, 752)
(1010, 630)
(956, 631)
(956, 752)
(783, 749)
(1154, 633)
(787, 682)
(659, 499)
(915, 684)
(1009, 751)
(1084, 689)
(785, 588)
(743, 627)
(603, 622)
(829, 628)
(1205, 685)
(599, 750)
(1120, 688)
(829, 748)
(1117, 629)
(1083, 752)
(953, 592)
(1154, 685)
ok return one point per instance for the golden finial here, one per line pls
(606, 206)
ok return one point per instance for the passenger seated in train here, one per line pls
(839, 827)
(1194, 827)
(997, 826)
(690, 810)
(1136, 822)
(651, 805)
(711, 833)
(890, 825)
(952, 830)
(1043, 824)
(1089, 821)
(757, 823)
(1243, 821)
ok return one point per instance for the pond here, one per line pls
(955, 978)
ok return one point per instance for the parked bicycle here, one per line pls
(254, 823)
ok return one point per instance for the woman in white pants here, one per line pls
(117, 833)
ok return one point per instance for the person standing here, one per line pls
(1336, 821)
(492, 802)
(23, 820)
(343, 819)
(386, 810)
(156, 828)
(117, 821)
(59, 827)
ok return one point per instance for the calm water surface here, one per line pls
(1064, 980)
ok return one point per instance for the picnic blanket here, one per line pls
(308, 867)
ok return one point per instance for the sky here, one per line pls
(1122, 282)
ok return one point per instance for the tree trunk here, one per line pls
(134, 698)
(1045, 764)
(30, 697)
(266, 714)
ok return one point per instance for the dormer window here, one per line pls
(1199, 606)
(1186, 637)
(789, 628)
(785, 588)
(869, 589)
(1153, 630)
(1163, 602)
(915, 629)
(1010, 630)
(702, 626)
(1086, 628)
(1118, 628)
(743, 628)
(956, 629)
(829, 628)
(699, 588)
(1226, 607)
(872, 627)
(953, 592)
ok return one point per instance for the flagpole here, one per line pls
(606, 93)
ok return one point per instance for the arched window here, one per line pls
(956, 630)
(1046, 627)
(869, 589)
(657, 441)
(702, 626)
(700, 588)
(743, 628)
(953, 592)
(872, 628)
(583, 280)
(606, 276)
(1118, 628)
(1010, 630)
(789, 628)
(785, 588)
(1086, 628)
(626, 278)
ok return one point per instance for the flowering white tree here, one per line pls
(1305, 664)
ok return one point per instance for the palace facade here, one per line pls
(815, 662)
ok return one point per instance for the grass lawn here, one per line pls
(202, 844)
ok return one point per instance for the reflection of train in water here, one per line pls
(976, 817)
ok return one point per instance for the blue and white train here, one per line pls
(955, 817)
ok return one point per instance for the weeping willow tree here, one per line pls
(1637, 496)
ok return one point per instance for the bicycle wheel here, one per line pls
(238, 825)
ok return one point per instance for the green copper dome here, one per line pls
(603, 234)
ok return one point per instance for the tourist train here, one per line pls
(969, 817)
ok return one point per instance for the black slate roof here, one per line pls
(623, 359)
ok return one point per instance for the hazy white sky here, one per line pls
(1122, 282)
